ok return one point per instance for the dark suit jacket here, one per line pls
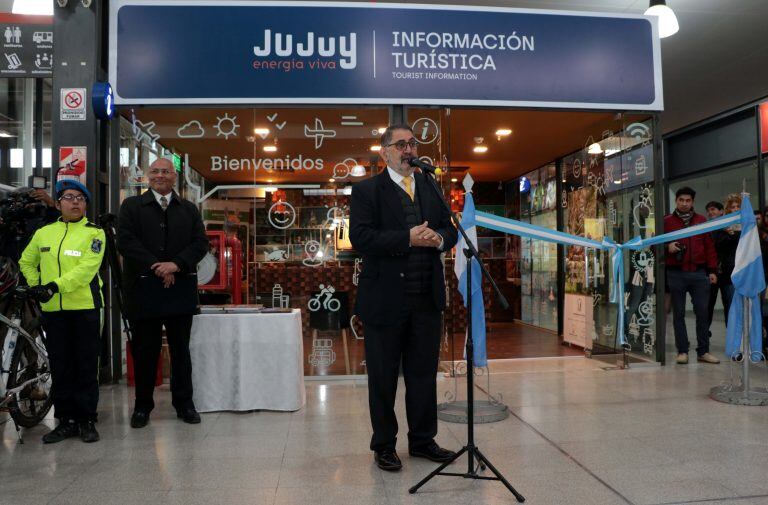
(147, 235)
(378, 231)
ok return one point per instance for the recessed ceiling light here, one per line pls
(270, 149)
(331, 180)
(261, 131)
(376, 148)
(454, 179)
(503, 132)
(480, 149)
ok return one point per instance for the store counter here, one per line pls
(247, 361)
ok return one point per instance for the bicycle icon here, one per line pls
(328, 302)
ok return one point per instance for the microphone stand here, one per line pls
(473, 452)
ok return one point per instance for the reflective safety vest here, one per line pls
(69, 254)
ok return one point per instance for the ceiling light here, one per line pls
(270, 189)
(667, 20)
(503, 132)
(331, 180)
(454, 179)
(595, 148)
(480, 149)
(357, 171)
(376, 148)
(270, 149)
(261, 131)
(382, 129)
(33, 7)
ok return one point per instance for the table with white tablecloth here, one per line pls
(247, 361)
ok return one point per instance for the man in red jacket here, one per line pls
(691, 265)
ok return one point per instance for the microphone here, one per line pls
(426, 167)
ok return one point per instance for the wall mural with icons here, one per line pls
(609, 193)
(271, 169)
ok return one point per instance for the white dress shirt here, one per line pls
(168, 197)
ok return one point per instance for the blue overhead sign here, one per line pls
(198, 52)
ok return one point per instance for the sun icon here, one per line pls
(226, 126)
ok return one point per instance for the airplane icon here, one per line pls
(319, 133)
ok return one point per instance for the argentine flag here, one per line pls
(460, 268)
(748, 282)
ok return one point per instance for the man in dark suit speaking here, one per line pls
(162, 239)
(400, 227)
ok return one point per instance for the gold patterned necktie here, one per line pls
(407, 180)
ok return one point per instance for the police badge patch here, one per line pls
(96, 245)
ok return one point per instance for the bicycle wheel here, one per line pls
(34, 401)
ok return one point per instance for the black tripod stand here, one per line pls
(109, 223)
(472, 451)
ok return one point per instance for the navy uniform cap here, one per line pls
(65, 184)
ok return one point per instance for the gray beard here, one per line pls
(403, 171)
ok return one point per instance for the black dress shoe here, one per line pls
(66, 429)
(88, 433)
(189, 415)
(139, 419)
(432, 452)
(388, 460)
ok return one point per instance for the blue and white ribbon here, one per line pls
(514, 227)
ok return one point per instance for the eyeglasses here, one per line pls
(400, 144)
(73, 198)
(164, 171)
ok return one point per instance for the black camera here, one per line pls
(20, 214)
(680, 254)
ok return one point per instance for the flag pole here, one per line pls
(743, 394)
(745, 355)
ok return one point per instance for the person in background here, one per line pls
(714, 210)
(61, 263)
(161, 238)
(726, 242)
(691, 265)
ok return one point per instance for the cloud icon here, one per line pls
(191, 130)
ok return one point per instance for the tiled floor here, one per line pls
(578, 434)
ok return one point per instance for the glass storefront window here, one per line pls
(718, 184)
(538, 258)
(608, 192)
(276, 182)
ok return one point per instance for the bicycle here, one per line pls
(25, 375)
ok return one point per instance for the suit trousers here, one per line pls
(146, 344)
(413, 338)
(74, 346)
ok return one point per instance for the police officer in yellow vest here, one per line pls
(61, 263)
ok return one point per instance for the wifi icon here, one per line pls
(638, 131)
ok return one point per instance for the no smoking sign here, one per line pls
(73, 104)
